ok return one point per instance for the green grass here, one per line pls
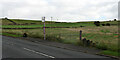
(105, 31)
(111, 53)
(49, 25)
(12, 35)
(71, 35)
(19, 21)
(103, 41)
(21, 26)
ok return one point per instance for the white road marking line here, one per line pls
(39, 53)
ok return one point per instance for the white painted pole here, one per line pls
(44, 28)
(43, 18)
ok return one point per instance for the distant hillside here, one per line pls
(34, 22)
(6, 22)
(18, 21)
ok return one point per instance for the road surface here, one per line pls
(0, 47)
(17, 48)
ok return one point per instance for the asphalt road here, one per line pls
(0, 46)
(16, 48)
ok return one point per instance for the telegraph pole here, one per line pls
(51, 19)
(57, 20)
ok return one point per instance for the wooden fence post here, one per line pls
(80, 34)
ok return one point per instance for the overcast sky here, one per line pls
(63, 10)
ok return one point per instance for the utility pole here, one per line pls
(57, 20)
(43, 18)
(51, 19)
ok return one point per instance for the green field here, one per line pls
(105, 37)
(5, 24)
(49, 25)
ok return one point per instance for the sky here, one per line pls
(60, 10)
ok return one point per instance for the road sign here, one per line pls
(43, 19)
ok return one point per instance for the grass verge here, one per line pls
(12, 35)
(111, 53)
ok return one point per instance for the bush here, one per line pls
(6, 18)
(82, 26)
(97, 23)
(108, 24)
(115, 19)
(103, 24)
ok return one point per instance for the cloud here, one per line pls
(64, 10)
